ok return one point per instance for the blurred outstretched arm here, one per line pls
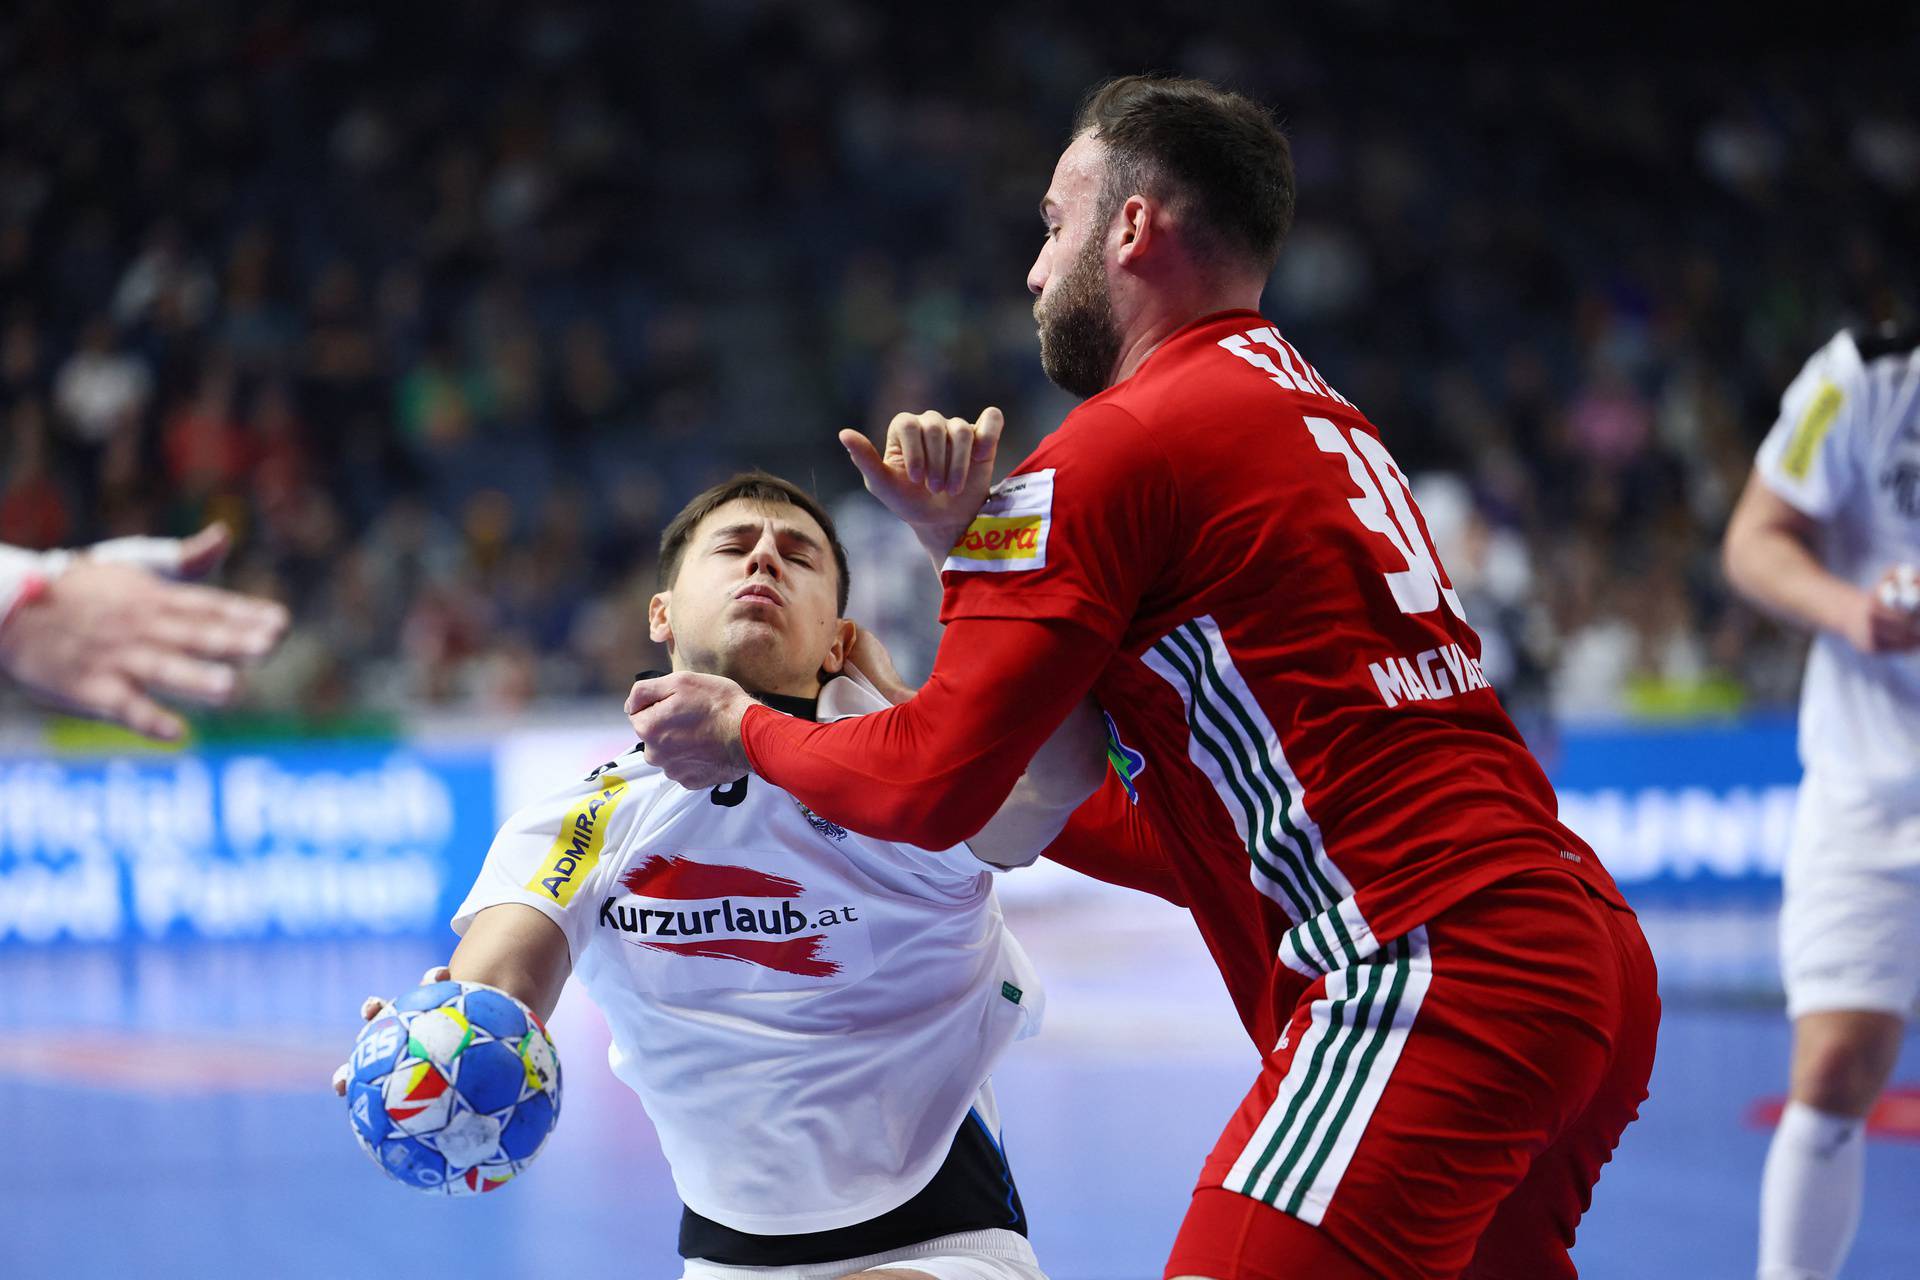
(107, 632)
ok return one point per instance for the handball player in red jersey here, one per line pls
(1456, 1010)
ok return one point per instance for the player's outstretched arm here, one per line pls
(105, 633)
(1066, 770)
(1769, 558)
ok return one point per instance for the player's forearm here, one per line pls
(875, 779)
(1774, 568)
(932, 771)
(937, 540)
(1064, 773)
(1072, 762)
(518, 949)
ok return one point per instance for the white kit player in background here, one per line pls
(810, 1017)
(1826, 536)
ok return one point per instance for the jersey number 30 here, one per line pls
(1417, 588)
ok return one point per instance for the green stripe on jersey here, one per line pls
(1258, 738)
(1233, 766)
(1380, 1035)
(1336, 1040)
(1238, 746)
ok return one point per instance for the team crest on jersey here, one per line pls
(1128, 764)
(1902, 483)
(1010, 533)
(831, 830)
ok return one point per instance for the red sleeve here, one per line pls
(1079, 531)
(931, 771)
(1108, 838)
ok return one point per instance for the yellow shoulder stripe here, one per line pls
(576, 849)
(1812, 429)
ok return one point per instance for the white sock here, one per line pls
(1810, 1194)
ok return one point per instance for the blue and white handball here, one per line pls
(454, 1088)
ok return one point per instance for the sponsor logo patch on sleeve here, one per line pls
(1010, 533)
(1812, 429)
(576, 849)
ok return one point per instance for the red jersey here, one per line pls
(1313, 760)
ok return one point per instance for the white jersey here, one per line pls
(806, 1014)
(1846, 451)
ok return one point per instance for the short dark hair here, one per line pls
(1218, 151)
(748, 486)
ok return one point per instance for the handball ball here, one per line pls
(1902, 590)
(454, 1088)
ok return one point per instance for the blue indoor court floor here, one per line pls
(167, 1115)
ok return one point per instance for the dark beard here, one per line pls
(1079, 341)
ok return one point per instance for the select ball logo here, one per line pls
(454, 1089)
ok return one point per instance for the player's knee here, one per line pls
(1840, 1074)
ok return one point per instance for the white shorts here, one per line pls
(1850, 919)
(972, 1255)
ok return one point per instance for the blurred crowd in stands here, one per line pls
(446, 308)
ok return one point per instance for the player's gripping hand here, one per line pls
(111, 634)
(690, 725)
(933, 473)
(1888, 619)
(371, 1008)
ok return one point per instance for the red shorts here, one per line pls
(1443, 1108)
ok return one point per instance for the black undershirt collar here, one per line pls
(805, 708)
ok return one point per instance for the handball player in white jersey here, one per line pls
(1827, 535)
(809, 1016)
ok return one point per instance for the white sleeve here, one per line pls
(18, 567)
(549, 855)
(1809, 457)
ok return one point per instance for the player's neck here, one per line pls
(764, 680)
(1154, 327)
(803, 704)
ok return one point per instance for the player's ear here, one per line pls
(659, 629)
(845, 632)
(1136, 228)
